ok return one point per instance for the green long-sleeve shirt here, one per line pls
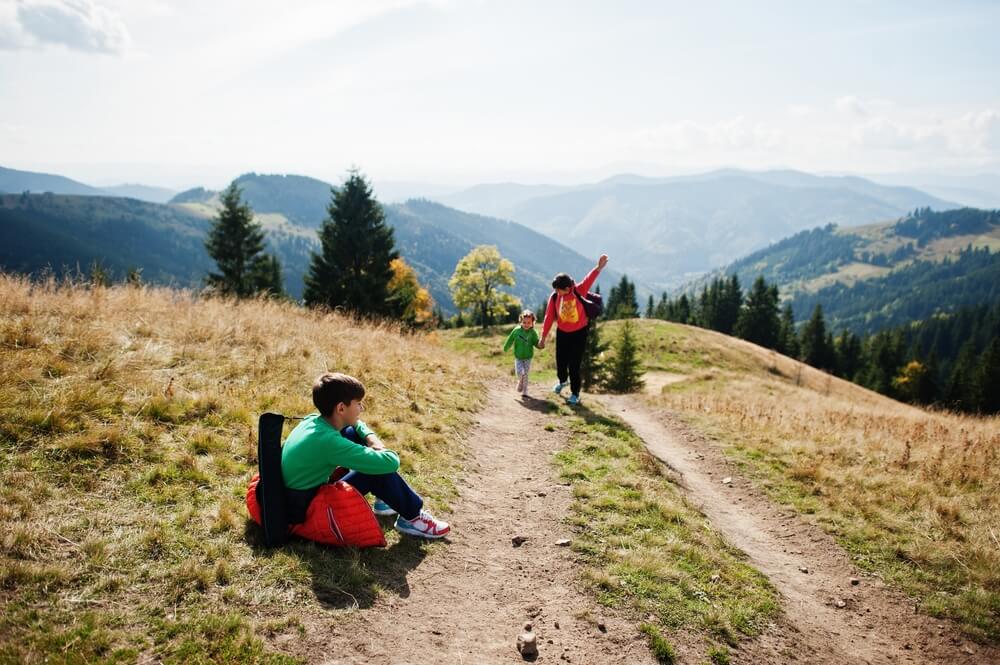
(315, 448)
(524, 342)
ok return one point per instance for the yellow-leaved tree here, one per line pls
(475, 285)
(410, 303)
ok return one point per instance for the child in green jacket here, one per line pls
(525, 339)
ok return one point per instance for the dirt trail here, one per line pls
(875, 624)
(467, 602)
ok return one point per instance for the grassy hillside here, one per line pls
(912, 495)
(57, 233)
(127, 437)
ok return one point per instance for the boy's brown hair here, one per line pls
(332, 388)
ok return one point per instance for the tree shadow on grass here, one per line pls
(345, 577)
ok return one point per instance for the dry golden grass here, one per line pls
(127, 437)
(914, 495)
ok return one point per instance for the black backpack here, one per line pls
(593, 303)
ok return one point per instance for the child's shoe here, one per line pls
(423, 526)
(574, 400)
(558, 388)
(382, 508)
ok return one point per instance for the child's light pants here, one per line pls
(521, 369)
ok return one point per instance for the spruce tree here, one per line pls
(813, 341)
(683, 312)
(662, 307)
(353, 268)
(650, 308)
(961, 391)
(625, 371)
(267, 276)
(789, 341)
(621, 302)
(758, 321)
(593, 372)
(236, 243)
(988, 379)
(731, 298)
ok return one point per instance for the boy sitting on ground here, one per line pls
(329, 439)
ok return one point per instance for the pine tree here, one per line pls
(729, 305)
(813, 341)
(848, 352)
(662, 307)
(789, 341)
(236, 243)
(758, 321)
(353, 269)
(683, 313)
(961, 391)
(988, 379)
(267, 276)
(625, 371)
(621, 302)
(650, 308)
(593, 372)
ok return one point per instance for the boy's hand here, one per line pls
(541, 344)
(603, 261)
(374, 442)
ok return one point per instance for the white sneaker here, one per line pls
(424, 525)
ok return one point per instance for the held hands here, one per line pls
(603, 261)
(541, 344)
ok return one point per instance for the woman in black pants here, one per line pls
(566, 311)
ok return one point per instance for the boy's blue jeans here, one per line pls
(389, 487)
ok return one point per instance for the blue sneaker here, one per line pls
(574, 400)
(558, 388)
(382, 508)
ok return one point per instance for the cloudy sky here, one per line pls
(178, 93)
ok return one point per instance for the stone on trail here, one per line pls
(727, 480)
(840, 604)
(562, 542)
(527, 645)
(804, 569)
(517, 541)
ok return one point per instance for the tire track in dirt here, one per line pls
(468, 600)
(874, 625)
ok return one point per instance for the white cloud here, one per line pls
(851, 105)
(76, 24)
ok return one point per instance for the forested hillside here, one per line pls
(882, 275)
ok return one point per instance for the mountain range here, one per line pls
(671, 229)
(56, 232)
(13, 181)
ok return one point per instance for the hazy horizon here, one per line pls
(178, 93)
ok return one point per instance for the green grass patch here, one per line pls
(646, 550)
